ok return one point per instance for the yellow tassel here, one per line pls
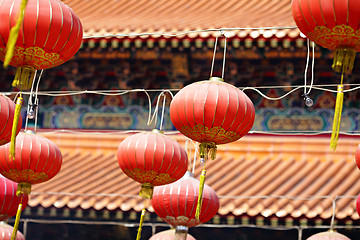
(200, 198)
(22, 188)
(13, 36)
(17, 114)
(337, 117)
(23, 78)
(140, 224)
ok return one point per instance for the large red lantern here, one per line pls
(9, 201)
(49, 34)
(169, 235)
(152, 159)
(37, 160)
(7, 111)
(176, 203)
(211, 112)
(6, 231)
(329, 235)
(333, 25)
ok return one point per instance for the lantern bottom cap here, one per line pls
(146, 190)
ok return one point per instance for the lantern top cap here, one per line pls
(29, 132)
(157, 131)
(216, 79)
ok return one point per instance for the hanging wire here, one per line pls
(312, 68)
(155, 114)
(32, 102)
(213, 58)
(307, 64)
(162, 112)
(223, 68)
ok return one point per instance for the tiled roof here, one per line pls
(256, 165)
(124, 16)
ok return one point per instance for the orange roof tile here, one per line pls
(242, 175)
(140, 16)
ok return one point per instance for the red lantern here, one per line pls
(7, 111)
(6, 230)
(9, 202)
(37, 160)
(176, 203)
(212, 112)
(49, 35)
(169, 235)
(152, 159)
(329, 235)
(333, 25)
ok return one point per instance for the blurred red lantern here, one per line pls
(358, 205)
(9, 202)
(169, 235)
(152, 159)
(7, 111)
(211, 112)
(50, 33)
(176, 203)
(333, 25)
(329, 235)
(6, 231)
(357, 156)
(37, 160)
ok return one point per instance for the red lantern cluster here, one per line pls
(7, 111)
(37, 160)
(152, 159)
(9, 202)
(176, 203)
(47, 38)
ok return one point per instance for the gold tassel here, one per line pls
(140, 224)
(23, 188)
(13, 36)
(337, 116)
(17, 115)
(200, 198)
(23, 77)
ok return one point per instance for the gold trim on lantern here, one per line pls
(146, 190)
(218, 134)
